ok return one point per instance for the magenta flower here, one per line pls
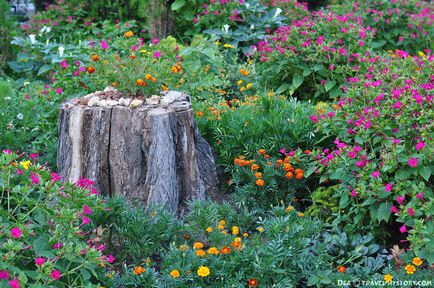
(403, 229)
(400, 199)
(413, 162)
(110, 258)
(157, 54)
(55, 274)
(14, 283)
(40, 261)
(354, 193)
(87, 210)
(420, 145)
(375, 174)
(7, 151)
(55, 177)
(85, 220)
(4, 274)
(34, 156)
(104, 44)
(393, 209)
(410, 211)
(57, 245)
(134, 48)
(35, 178)
(313, 118)
(155, 41)
(64, 64)
(419, 195)
(59, 90)
(16, 232)
(388, 187)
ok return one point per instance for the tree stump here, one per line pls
(144, 149)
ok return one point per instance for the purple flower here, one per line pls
(313, 118)
(375, 174)
(14, 283)
(7, 151)
(403, 229)
(16, 232)
(40, 261)
(354, 193)
(104, 44)
(87, 210)
(157, 54)
(35, 178)
(4, 274)
(420, 145)
(155, 41)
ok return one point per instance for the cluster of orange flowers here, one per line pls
(149, 77)
(290, 171)
(177, 68)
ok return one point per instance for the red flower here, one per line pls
(253, 282)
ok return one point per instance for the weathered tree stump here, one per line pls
(146, 150)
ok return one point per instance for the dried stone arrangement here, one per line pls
(144, 149)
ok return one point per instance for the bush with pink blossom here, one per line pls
(46, 237)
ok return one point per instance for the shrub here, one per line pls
(314, 58)
(7, 31)
(46, 237)
(384, 146)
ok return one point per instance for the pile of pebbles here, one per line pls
(110, 96)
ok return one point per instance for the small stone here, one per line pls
(102, 103)
(153, 100)
(125, 102)
(89, 96)
(110, 89)
(92, 101)
(136, 103)
(112, 102)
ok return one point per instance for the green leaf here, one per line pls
(178, 4)
(425, 172)
(41, 245)
(343, 202)
(384, 211)
(329, 85)
(282, 88)
(378, 44)
(44, 69)
(297, 80)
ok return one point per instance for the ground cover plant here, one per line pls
(321, 122)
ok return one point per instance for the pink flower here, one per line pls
(40, 261)
(419, 146)
(57, 245)
(16, 232)
(55, 177)
(59, 90)
(403, 229)
(354, 193)
(413, 162)
(4, 274)
(34, 156)
(388, 187)
(87, 210)
(419, 195)
(7, 151)
(15, 283)
(64, 64)
(400, 199)
(35, 178)
(157, 54)
(55, 274)
(104, 44)
(85, 220)
(313, 118)
(110, 258)
(155, 41)
(134, 48)
(393, 209)
(375, 174)
(410, 211)
(352, 154)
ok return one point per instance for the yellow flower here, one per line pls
(388, 278)
(198, 245)
(235, 230)
(239, 82)
(200, 253)
(421, 54)
(410, 269)
(25, 164)
(300, 214)
(128, 34)
(228, 46)
(237, 239)
(289, 208)
(138, 270)
(209, 229)
(242, 89)
(203, 271)
(143, 51)
(222, 222)
(260, 229)
(248, 86)
(217, 43)
(213, 251)
(245, 234)
(224, 232)
(417, 261)
(175, 274)
(183, 247)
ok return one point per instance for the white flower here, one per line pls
(61, 50)
(252, 27)
(278, 11)
(226, 28)
(32, 38)
(48, 29)
(26, 83)
(247, 5)
(20, 116)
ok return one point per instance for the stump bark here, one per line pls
(151, 151)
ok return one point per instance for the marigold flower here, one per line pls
(226, 250)
(199, 113)
(242, 89)
(222, 222)
(128, 34)
(203, 271)
(198, 245)
(235, 230)
(260, 182)
(245, 234)
(140, 82)
(410, 269)
(90, 69)
(299, 176)
(244, 72)
(249, 85)
(254, 167)
(289, 175)
(388, 278)
(261, 151)
(164, 88)
(417, 261)
(213, 251)
(300, 214)
(138, 270)
(279, 162)
(94, 58)
(342, 269)
(289, 208)
(209, 229)
(200, 253)
(220, 227)
(175, 274)
(132, 56)
(239, 82)
(260, 229)
(253, 282)
(258, 175)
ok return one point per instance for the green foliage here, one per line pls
(324, 204)
(8, 29)
(46, 237)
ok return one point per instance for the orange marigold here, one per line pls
(226, 250)
(299, 176)
(213, 251)
(94, 58)
(342, 269)
(253, 282)
(140, 82)
(175, 273)
(138, 270)
(261, 151)
(200, 253)
(258, 175)
(198, 245)
(289, 175)
(128, 34)
(254, 167)
(90, 69)
(260, 182)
